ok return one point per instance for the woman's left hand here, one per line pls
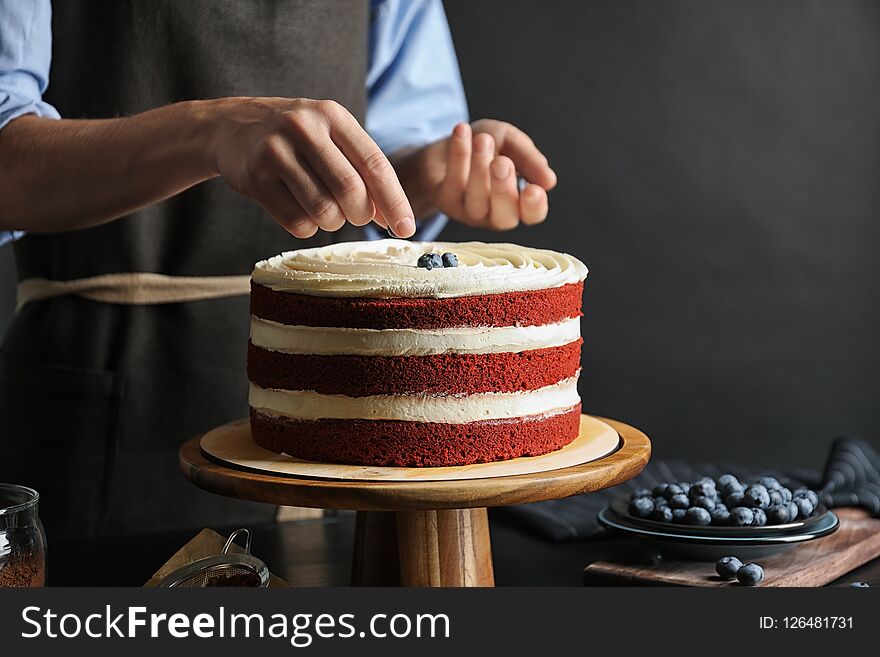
(471, 176)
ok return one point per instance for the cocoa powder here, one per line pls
(249, 579)
(22, 572)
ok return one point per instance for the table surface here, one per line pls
(318, 553)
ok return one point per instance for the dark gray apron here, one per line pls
(95, 398)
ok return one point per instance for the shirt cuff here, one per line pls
(7, 236)
(39, 108)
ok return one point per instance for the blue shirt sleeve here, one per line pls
(25, 54)
(415, 94)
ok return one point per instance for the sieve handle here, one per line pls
(233, 536)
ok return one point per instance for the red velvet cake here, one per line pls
(360, 355)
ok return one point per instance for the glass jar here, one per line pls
(22, 538)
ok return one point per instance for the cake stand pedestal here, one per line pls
(418, 532)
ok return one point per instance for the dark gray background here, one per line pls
(718, 172)
(718, 165)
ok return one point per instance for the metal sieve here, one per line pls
(226, 569)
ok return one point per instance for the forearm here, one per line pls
(68, 174)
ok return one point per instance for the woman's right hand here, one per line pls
(308, 163)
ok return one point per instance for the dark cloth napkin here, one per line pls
(851, 478)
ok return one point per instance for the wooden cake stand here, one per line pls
(427, 529)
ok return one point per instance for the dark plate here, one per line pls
(692, 543)
(620, 508)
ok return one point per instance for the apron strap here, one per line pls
(138, 288)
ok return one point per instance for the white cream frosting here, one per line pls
(411, 342)
(447, 409)
(388, 269)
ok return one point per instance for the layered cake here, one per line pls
(375, 353)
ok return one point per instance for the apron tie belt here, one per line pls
(137, 288)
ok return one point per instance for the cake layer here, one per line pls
(452, 409)
(415, 444)
(411, 342)
(388, 269)
(527, 308)
(358, 376)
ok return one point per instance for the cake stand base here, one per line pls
(419, 532)
(449, 547)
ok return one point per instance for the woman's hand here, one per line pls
(309, 164)
(472, 176)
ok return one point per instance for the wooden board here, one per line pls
(233, 445)
(621, 465)
(815, 563)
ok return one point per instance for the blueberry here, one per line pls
(706, 480)
(430, 261)
(759, 518)
(659, 489)
(662, 514)
(728, 486)
(808, 494)
(720, 516)
(756, 496)
(697, 516)
(449, 260)
(671, 491)
(720, 506)
(750, 575)
(685, 486)
(698, 500)
(726, 567)
(760, 488)
(741, 517)
(702, 488)
(770, 483)
(641, 507)
(734, 500)
(778, 514)
(804, 506)
(678, 515)
(859, 585)
(641, 492)
(704, 502)
(786, 494)
(733, 489)
(661, 501)
(775, 497)
(726, 480)
(792, 511)
(679, 501)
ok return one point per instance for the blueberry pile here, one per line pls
(431, 261)
(749, 574)
(725, 501)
